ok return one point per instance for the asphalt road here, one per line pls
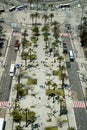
(80, 113)
(6, 79)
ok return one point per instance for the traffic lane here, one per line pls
(7, 80)
(80, 114)
(4, 96)
(75, 81)
(81, 118)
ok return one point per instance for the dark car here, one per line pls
(65, 48)
(64, 45)
(65, 51)
(2, 20)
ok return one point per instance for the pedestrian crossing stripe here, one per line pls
(4, 104)
(78, 104)
(16, 34)
(63, 34)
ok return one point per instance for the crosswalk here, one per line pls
(4, 104)
(78, 104)
(63, 34)
(16, 34)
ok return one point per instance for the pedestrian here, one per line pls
(39, 97)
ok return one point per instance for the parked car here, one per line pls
(65, 51)
(2, 20)
(16, 45)
(64, 45)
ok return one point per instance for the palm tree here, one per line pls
(55, 23)
(26, 110)
(24, 34)
(54, 44)
(45, 28)
(35, 30)
(32, 17)
(60, 58)
(45, 17)
(50, 6)
(46, 40)
(24, 40)
(51, 16)
(54, 85)
(56, 32)
(16, 115)
(29, 116)
(48, 83)
(18, 127)
(20, 91)
(36, 15)
(25, 56)
(62, 74)
(34, 39)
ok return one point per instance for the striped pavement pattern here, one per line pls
(78, 104)
(4, 104)
(63, 34)
(16, 34)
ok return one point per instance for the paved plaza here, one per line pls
(45, 109)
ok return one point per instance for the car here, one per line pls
(64, 45)
(16, 45)
(64, 48)
(65, 51)
(2, 20)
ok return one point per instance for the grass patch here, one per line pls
(31, 81)
(56, 73)
(34, 74)
(30, 116)
(33, 56)
(49, 120)
(57, 92)
(33, 106)
(50, 128)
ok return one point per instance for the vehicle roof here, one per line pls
(1, 123)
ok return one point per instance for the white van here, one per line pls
(71, 55)
(12, 70)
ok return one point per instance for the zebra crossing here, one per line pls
(78, 104)
(63, 34)
(4, 104)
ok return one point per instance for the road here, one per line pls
(80, 113)
(6, 79)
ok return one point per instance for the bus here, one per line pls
(21, 7)
(64, 6)
(2, 123)
(12, 8)
(71, 55)
(12, 70)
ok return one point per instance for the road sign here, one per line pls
(13, 25)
